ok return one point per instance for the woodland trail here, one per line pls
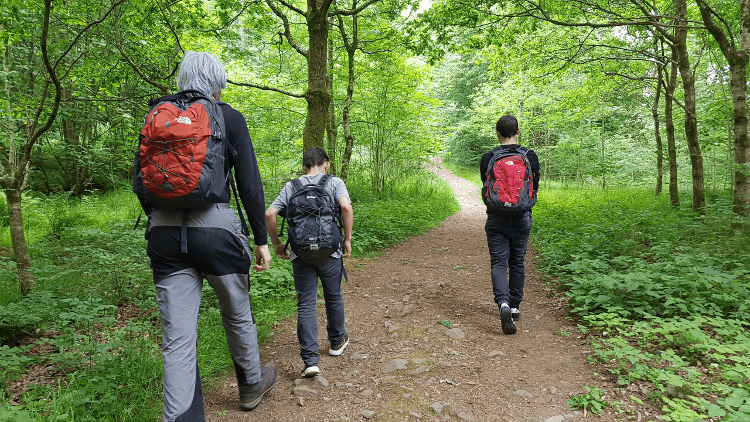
(404, 365)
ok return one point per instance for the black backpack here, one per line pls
(314, 220)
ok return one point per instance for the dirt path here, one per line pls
(404, 365)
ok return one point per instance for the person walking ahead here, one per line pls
(307, 270)
(508, 232)
(186, 246)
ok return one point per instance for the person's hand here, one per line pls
(262, 258)
(280, 251)
(347, 249)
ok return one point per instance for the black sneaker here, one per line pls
(337, 349)
(251, 395)
(515, 314)
(310, 371)
(506, 319)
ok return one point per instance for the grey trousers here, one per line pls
(214, 246)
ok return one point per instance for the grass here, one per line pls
(90, 264)
(663, 294)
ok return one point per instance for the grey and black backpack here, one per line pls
(314, 220)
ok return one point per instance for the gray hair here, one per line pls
(202, 72)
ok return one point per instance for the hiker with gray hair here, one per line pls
(188, 244)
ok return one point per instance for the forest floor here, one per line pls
(403, 364)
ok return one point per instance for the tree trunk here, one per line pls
(348, 137)
(674, 193)
(318, 97)
(657, 134)
(351, 46)
(331, 126)
(18, 239)
(691, 121)
(738, 57)
(741, 199)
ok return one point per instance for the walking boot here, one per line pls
(252, 394)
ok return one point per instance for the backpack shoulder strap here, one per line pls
(323, 181)
(296, 186)
(219, 115)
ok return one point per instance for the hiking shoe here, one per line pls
(251, 395)
(337, 349)
(506, 319)
(310, 371)
(515, 314)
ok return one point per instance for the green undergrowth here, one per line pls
(93, 321)
(663, 294)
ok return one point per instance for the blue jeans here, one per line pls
(306, 274)
(508, 238)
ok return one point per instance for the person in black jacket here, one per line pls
(508, 234)
(218, 251)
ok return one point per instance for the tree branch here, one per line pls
(163, 88)
(354, 11)
(726, 44)
(292, 7)
(266, 88)
(169, 24)
(287, 31)
(83, 31)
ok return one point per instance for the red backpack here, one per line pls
(509, 185)
(180, 162)
(181, 159)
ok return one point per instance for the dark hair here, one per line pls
(507, 126)
(314, 157)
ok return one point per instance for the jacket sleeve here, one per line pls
(534, 161)
(483, 166)
(247, 173)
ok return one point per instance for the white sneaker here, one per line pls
(337, 349)
(515, 314)
(310, 371)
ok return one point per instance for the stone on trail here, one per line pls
(302, 391)
(420, 370)
(416, 414)
(368, 414)
(395, 365)
(495, 353)
(523, 393)
(455, 333)
(400, 310)
(391, 327)
(437, 407)
(466, 417)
